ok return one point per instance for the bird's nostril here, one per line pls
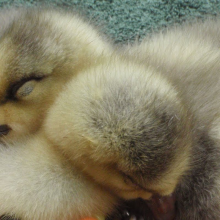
(4, 129)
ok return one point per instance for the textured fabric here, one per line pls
(125, 20)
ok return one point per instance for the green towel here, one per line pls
(127, 20)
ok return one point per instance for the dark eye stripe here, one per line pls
(7, 217)
(11, 93)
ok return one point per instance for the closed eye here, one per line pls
(13, 90)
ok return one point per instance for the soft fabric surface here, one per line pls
(126, 20)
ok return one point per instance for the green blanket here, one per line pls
(126, 20)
